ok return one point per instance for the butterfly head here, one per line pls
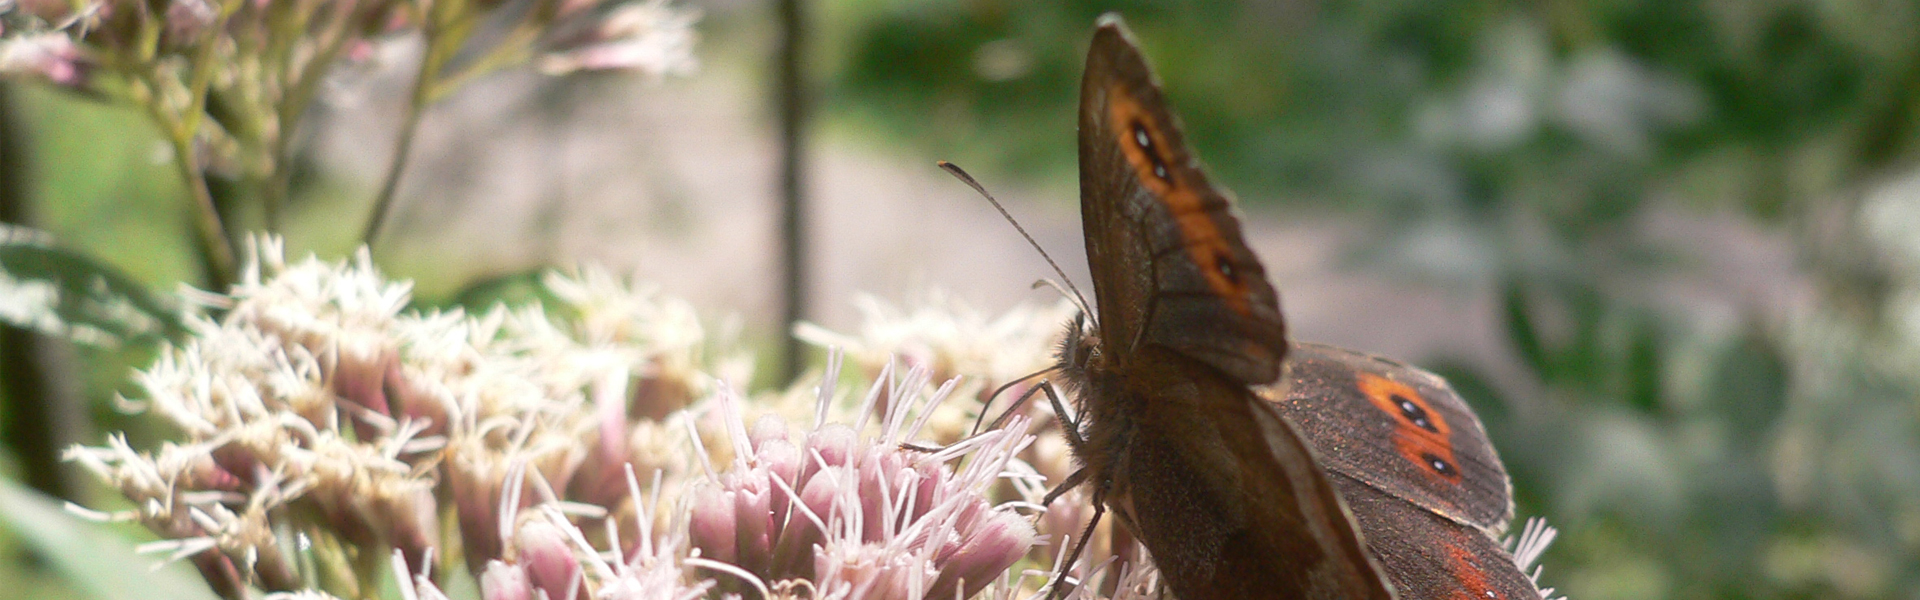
(1079, 351)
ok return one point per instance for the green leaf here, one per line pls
(1750, 385)
(1645, 365)
(513, 289)
(73, 295)
(1520, 329)
(91, 557)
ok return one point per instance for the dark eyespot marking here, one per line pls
(1439, 465)
(1223, 263)
(1145, 141)
(1414, 414)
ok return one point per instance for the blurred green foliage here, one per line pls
(94, 557)
(1529, 151)
(1521, 150)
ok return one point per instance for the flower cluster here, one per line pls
(226, 82)
(318, 412)
(861, 517)
(262, 53)
(952, 339)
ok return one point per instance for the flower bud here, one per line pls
(834, 442)
(413, 522)
(476, 489)
(768, 427)
(48, 56)
(713, 524)
(754, 517)
(650, 37)
(502, 581)
(602, 478)
(188, 21)
(989, 549)
(547, 556)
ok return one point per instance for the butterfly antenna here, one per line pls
(962, 175)
(1073, 296)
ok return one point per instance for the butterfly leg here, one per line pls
(1071, 430)
(1011, 410)
(920, 448)
(1068, 426)
(1099, 508)
(1078, 477)
(1007, 414)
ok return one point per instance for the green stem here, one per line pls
(215, 252)
(383, 203)
(299, 96)
(447, 27)
(203, 70)
(514, 50)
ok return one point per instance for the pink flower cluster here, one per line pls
(863, 517)
(317, 404)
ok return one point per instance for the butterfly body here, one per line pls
(1209, 452)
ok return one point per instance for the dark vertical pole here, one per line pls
(44, 414)
(793, 206)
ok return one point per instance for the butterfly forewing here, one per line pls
(1168, 262)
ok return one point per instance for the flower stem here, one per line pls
(299, 95)
(203, 71)
(446, 29)
(402, 147)
(216, 249)
(216, 254)
(514, 50)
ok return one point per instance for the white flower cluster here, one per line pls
(319, 416)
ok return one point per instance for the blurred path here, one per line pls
(674, 182)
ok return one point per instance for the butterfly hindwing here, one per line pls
(1398, 428)
(1227, 497)
(1432, 557)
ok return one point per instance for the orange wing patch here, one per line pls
(1420, 434)
(1466, 568)
(1141, 138)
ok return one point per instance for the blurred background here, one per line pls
(1669, 250)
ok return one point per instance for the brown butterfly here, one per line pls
(1357, 478)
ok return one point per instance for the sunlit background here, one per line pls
(1668, 250)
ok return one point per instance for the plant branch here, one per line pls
(447, 27)
(409, 126)
(216, 253)
(203, 70)
(516, 49)
(293, 105)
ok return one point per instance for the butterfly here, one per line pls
(1248, 465)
